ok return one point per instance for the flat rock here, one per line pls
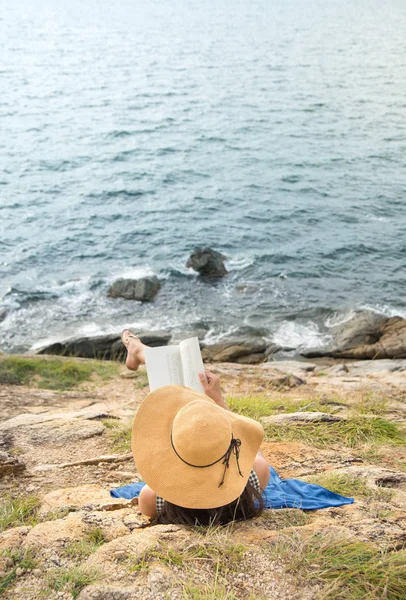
(55, 533)
(207, 262)
(372, 367)
(76, 497)
(56, 432)
(143, 290)
(109, 592)
(10, 464)
(113, 524)
(300, 417)
(289, 366)
(377, 476)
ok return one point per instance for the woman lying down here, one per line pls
(201, 462)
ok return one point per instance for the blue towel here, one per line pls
(279, 493)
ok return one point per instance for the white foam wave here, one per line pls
(339, 318)
(214, 336)
(134, 273)
(301, 336)
(384, 309)
(371, 217)
(239, 263)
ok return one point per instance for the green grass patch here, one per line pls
(141, 379)
(93, 539)
(372, 404)
(281, 518)
(119, 435)
(349, 485)
(346, 569)
(71, 580)
(23, 559)
(23, 510)
(213, 591)
(221, 553)
(351, 432)
(18, 511)
(262, 406)
(52, 374)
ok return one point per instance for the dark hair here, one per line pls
(247, 506)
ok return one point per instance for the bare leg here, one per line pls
(135, 347)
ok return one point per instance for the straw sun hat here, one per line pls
(192, 452)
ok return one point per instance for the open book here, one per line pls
(175, 365)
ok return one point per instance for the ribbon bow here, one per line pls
(234, 448)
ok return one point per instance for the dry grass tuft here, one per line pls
(119, 435)
(18, 511)
(345, 568)
(349, 485)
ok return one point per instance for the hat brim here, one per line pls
(171, 478)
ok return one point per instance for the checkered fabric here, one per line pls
(253, 479)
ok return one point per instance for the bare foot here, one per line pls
(135, 348)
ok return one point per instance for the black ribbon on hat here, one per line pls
(234, 448)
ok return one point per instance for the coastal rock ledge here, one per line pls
(103, 347)
(366, 336)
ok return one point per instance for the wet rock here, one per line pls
(207, 262)
(10, 464)
(366, 336)
(103, 347)
(300, 418)
(143, 290)
(3, 314)
(244, 351)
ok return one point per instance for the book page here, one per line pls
(192, 363)
(164, 366)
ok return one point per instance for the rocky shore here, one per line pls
(340, 424)
(366, 336)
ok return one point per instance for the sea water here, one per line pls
(132, 131)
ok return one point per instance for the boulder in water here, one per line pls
(144, 289)
(207, 262)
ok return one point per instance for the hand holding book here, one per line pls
(211, 387)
